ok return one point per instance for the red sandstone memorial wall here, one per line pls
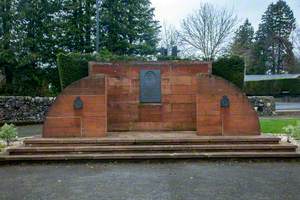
(63, 120)
(238, 119)
(190, 100)
(177, 110)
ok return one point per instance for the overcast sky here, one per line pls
(173, 11)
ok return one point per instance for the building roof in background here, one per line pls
(249, 78)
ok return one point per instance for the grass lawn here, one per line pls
(275, 125)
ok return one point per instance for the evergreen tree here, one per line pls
(78, 25)
(7, 60)
(35, 42)
(33, 32)
(243, 44)
(243, 39)
(128, 27)
(6, 19)
(273, 48)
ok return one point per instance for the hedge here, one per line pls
(74, 66)
(231, 69)
(273, 87)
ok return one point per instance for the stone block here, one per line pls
(62, 127)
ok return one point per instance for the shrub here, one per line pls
(8, 133)
(231, 69)
(292, 131)
(2, 146)
(297, 131)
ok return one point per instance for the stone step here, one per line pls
(151, 141)
(147, 156)
(153, 148)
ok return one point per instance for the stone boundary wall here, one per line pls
(264, 105)
(22, 109)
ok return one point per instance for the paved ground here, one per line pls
(29, 130)
(179, 180)
(287, 106)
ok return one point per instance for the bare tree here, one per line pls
(295, 37)
(169, 37)
(296, 41)
(207, 30)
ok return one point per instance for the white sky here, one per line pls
(173, 11)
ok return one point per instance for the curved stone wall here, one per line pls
(64, 119)
(238, 119)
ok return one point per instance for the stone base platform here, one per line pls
(151, 145)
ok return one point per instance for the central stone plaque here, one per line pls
(150, 89)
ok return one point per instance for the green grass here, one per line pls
(275, 126)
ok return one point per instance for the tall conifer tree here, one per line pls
(243, 39)
(273, 47)
(128, 27)
(7, 60)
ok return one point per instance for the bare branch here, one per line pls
(169, 37)
(296, 41)
(207, 30)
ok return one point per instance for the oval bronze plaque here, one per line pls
(78, 104)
